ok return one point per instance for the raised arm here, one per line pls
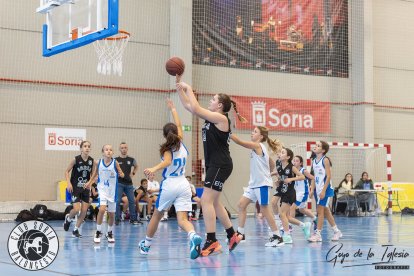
(194, 107)
(183, 97)
(176, 118)
(247, 144)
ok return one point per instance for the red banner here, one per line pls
(284, 114)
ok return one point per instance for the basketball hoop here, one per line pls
(109, 51)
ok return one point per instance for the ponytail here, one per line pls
(240, 117)
(274, 145)
(225, 100)
(173, 141)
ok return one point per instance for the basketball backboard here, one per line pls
(74, 23)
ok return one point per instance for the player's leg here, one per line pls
(84, 209)
(248, 197)
(305, 226)
(275, 207)
(337, 233)
(183, 205)
(284, 210)
(75, 210)
(99, 219)
(262, 195)
(234, 238)
(111, 220)
(152, 227)
(242, 206)
(320, 209)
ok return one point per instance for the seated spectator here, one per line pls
(153, 192)
(125, 207)
(141, 194)
(346, 197)
(366, 201)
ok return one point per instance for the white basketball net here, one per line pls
(109, 51)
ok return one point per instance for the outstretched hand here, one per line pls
(149, 171)
(170, 104)
(180, 84)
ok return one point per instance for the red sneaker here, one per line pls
(235, 240)
(210, 248)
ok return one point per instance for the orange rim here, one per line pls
(119, 36)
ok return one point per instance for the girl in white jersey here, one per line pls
(175, 189)
(323, 190)
(302, 193)
(260, 182)
(108, 170)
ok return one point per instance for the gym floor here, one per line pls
(169, 254)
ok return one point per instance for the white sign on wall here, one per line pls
(64, 138)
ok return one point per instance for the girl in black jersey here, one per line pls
(287, 174)
(219, 165)
(78, 178)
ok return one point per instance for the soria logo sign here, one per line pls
(284, 114)
(64, 138)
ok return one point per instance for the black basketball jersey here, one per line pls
(216, 146)
(126, 165)
(81, 171)
(285, 173)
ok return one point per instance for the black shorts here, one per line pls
(215, 177)
(278, 191)
(289, 197)
(80, 194)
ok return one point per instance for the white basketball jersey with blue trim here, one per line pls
(107, 179)
(301, 187)
(260, 169)
(320, 176)
(177, 167)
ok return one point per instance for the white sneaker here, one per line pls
(275, 241)
(110, 237)
(315, 238)
(97, 237)
(143, 249)
(337, 235)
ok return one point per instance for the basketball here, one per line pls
(175, 66)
